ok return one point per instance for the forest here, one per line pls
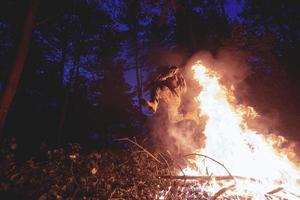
(72, 84)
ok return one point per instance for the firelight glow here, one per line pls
(244, 152)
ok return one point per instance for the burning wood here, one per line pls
(236, 162)
(243, 151)
(212, 187)
(139, 146)
(206, 178)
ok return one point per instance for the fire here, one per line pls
(242, 151)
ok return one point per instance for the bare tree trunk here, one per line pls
(18, 66)
(71, 87)
(67, 93)
(141, 79)
(138, 79)
(63, 89)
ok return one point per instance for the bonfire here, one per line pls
(236, 162)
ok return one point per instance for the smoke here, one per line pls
(159, 56)
(229, 63)
(179, 138)
(186, 136)
(232, 66)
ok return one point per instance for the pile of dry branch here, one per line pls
(132, 172)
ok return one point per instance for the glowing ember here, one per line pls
(241, 150)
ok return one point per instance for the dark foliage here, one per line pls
(121, 173)
(69, 173)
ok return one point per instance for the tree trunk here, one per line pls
(71, 87)
(138, 79)
(141, 79)
(17, 68)
(63, 89)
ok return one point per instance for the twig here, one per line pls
(112, 194)
(168, 166)
(120, 165)
(145, 150)
(222, 191)
(207, 178)
(205, 156)
(275, 190)
(296, 195)
(181, 169)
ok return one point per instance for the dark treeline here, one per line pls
(74, 85)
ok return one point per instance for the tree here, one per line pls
(274, 28)
(17, 68)
(141, 35)
(118, 115)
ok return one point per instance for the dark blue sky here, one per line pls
(233, 8)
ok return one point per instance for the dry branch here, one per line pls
(275, 190)
(145, 150)
(166, 163)
(205, 156)
(222, 191)
(207, 178)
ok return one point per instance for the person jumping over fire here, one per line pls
(168, 87)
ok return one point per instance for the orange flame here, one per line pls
(242, 151)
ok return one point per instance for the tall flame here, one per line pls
(242, 151)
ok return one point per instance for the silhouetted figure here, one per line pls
(167, 88)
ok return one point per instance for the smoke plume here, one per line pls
(187, 136)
